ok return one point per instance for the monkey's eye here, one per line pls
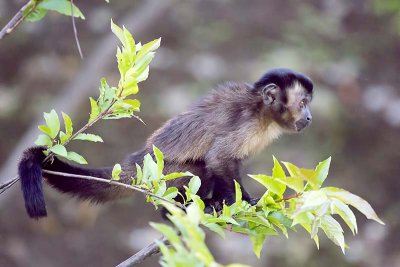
(271, 86)
(303, 103)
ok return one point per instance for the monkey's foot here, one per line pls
(211, 205)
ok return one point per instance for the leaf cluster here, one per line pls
(113, 102)
(37, 9)
(312, 206)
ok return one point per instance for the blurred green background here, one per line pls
(351, 49)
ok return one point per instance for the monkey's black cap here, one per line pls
(285, 78)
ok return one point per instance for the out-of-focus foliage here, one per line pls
(391, 7)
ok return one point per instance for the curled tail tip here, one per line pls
(30, 173)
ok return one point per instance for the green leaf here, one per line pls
(117, 31)
(129, 42)
(322, 170)
(142, 64)
(76, 157)
(53, 123)
(36, 14)
(355, 201)
(333, 230)
(149, 47)
(117, 169)
(171, 193)
(95, 111)
(277, 170)
(175, 175)
(67, 124)
(194, 184)
(59, 150)
(303, 218)
(271, 183)
(142, 76)
(159, 158)
(63, 137)
(107, 94)
(278, 217)
(130, 87)
(238, 193)
(194, 213)
(307, 227)
(257, 220)
(45, 129)
(306, 174)
(168, 232)
(338, 207)
(88, 137)
(160, 189)
(295, 183)
(134, 104)
(150, 170)
(43, 140)
(313, 199)
(61, 6)
(257, 241)
(139, 174)
(216, 229)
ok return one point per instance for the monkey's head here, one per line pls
(286, 96)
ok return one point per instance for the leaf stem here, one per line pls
(289, 197)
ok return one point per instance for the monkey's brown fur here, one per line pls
(210, 140)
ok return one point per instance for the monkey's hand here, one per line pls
(211, 205)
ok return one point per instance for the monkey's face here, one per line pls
(296, 113)
(287, 95)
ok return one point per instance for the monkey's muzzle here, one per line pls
(302, 123)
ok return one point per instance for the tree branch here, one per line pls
(17, 19)
(143, 254)
(114, 182)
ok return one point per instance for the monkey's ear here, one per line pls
(270, 93)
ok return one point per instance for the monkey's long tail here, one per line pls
(30, 173)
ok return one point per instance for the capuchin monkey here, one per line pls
(210, 139)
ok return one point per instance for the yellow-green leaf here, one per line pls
(355, 201)
(88, 137)
(53, 122)
(76, 157)
(269, 182)
(117, 169)
(59, 150)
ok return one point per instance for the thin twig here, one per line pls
(114, 182)
(75, 31)
(17, 19)
(289, 197)
(8, 184)
(143, 254)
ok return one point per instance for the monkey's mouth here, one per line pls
(301, 124)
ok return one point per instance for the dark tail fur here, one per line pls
(30, 173)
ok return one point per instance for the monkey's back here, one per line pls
(226, 111)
